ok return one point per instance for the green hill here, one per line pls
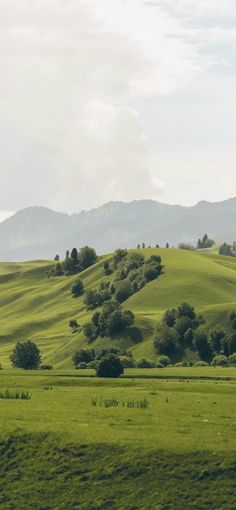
(36, 307)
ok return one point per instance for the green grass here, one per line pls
(58, 451)
(36, 307)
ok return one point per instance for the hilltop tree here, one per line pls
(87, 256)
(25, 355)
(205, 242)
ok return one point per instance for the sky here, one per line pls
(106, 100)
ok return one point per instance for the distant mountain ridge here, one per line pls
(39, 232)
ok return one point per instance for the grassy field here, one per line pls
(36, 307)
(59, 451)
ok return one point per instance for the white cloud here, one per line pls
(72, 75)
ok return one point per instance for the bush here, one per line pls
(220, 361)
(145, 363)
(160, 365)
(25, 355)
(83, 356)
(0, 366)
(127, 362)
(201, 364)
(164, 360)
(46, 367)
(232, 359)
(73, 324)
(181, 364)
(77, 288)
(110, 366)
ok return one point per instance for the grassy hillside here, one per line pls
(37, 307)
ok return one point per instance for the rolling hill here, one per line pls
(36, 307)
(38, 232)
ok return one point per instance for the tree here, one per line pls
(106, 267)
(93, 299)
(56, 258)
(90, 332)
(166, 341)
(77, 288)
(25, 355)
(203, 347)
(110, 366)
(216, 337)
(167, 245)
(123, 291)
(74, 325)
(205, 242)
(232, 344)
(87, 256)
(118, 256)
(152, 271)
(143, 246)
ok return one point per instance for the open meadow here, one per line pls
(153, 439)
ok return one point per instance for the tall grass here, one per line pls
(15, 395)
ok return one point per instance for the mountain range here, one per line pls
(39, 232)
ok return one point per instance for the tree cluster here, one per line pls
(205, 242)
(179, 330)
(110, 321)
(228, 250)
(130, 272)
(74, 262)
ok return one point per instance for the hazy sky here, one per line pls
(116, 100)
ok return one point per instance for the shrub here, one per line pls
(77, 288)
(110, 366)
(46, 367)
(145, 363)
(127, 362)
(232, 359)
(220, 361)
(0, 366)
(201, 364)
(181, 364)
(25, 355)
(164, 360)
(83, 356)
(160, 365)
(73, 324)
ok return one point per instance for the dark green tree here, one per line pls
(77, 288)
(87, 256)
(110, 366)
(25, 355)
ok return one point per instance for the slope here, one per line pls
(37, 307)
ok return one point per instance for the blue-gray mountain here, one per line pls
(38, 232)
